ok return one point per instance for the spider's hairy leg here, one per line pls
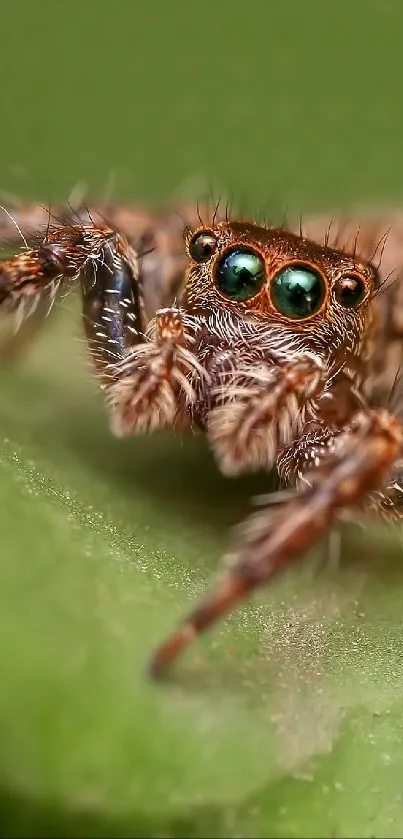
(113, 308)
(147, 376)
(259, 410)
(297, 461)
(306, 453)
(269, 542)
(387, 503)
(37, 273)
(154, 386)
(143, 371)
(19, 219)
(68, 255)
(156, 236)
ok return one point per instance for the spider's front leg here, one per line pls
(361, 461)
(154, 385)
(146, 373)
(31, 281)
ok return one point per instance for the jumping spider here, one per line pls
(282, 349)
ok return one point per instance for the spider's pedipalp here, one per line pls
(154, 385)
(260, 410)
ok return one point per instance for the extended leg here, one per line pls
(361, 463)
(31, 280)
(147, 374)
(157, 237)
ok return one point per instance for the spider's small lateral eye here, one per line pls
(202, 245)
(297, 291)
(240, 273)
(349, 291)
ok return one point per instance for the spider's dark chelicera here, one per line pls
(274, 344)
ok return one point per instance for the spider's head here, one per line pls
(258, 299)
(267, 321)
(278, 285)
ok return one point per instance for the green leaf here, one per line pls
(283, 721)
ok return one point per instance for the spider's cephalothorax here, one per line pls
(272, 348)
(280, 325)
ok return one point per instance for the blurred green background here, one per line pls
(287, 719)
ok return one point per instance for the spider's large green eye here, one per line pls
(240, 273)
(297, 291)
